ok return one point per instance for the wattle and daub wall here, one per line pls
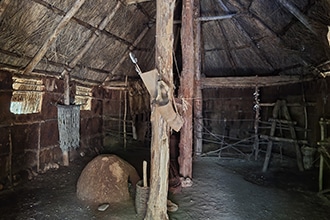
(229, 113)
(32, 140)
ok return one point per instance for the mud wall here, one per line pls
(229, 112)
(32, 140)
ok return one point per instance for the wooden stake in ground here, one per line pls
(157, 203)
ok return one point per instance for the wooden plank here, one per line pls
(33, 63)
(289, 140)
(157, 203)
(186, 91)
(250, 81)
(309, 104)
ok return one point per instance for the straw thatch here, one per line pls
(263, 37)
(238, 38)
(27, 24)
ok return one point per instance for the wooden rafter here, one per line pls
(298, 14)
(130, 2)
(227, 49)
(273, 35)
(3, 6)
(215, 18)
(252, 44)
(65, 20)
(250, 81)
(94, 36)
(135, 43)
(83, 23)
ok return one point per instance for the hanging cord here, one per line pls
(305, 110)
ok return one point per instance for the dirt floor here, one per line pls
(222, 188)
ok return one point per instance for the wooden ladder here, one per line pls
(280, 106)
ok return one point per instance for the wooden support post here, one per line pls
(298, 14)
(157, 203)
(10, 159)
(65, 153)
(186, 92)
(76, 6)
(198, 101)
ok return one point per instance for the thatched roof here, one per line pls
(238, 37)
(26, 25)
(264, 37)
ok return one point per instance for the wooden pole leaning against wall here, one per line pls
(186, 92)
(157, 203)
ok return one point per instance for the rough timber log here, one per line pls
(157, 203)
(187, 88)
(66, 102)
(198, 101)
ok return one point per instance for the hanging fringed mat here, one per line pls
(68, 126)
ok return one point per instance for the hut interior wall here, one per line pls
(135, 123)
(229, 115)
(32, 140)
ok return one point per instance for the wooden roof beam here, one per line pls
(131, 2)
(215, 18)
(42, 51)
(250, 81)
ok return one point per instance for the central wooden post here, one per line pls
(157, 203)
(186, 92)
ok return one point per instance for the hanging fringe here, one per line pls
(68, 126)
